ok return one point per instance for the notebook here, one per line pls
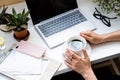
(56, 20)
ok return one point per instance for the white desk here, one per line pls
(100, 52)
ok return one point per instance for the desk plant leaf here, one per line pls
(16, 20)
(3, 15)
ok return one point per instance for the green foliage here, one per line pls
(16, 20)
(3, 15)
(109, 6)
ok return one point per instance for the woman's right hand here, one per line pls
(92, 37)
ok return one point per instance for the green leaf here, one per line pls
(18, 19)
(23, 12)
(14, 13)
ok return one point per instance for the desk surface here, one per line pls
(100, 52)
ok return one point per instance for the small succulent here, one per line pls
(16, 20)
(3, 15)
(109, 6)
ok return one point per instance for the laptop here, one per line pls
(56, 20)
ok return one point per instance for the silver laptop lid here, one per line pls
(41, 10)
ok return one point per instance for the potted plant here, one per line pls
(109, 6)
(19, 23)
(3, 21)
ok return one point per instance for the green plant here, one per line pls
(109, 6)
(16, 20)
(3, 15)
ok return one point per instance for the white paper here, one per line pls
(22, 63)
(19, 64)
(29, 68)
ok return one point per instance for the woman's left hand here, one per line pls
(77, 63)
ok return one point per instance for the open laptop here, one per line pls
(56, 20)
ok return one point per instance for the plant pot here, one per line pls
(23, 34)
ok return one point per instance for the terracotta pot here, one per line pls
(22, 34)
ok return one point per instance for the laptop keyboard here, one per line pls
(62, 23)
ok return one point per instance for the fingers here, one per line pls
(69, 65)
(85, 54)
(72, 54)
(87, 35)
(67, 59)
(70, 57)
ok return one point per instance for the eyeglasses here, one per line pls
(104, 19)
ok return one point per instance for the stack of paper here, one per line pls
(29, 67)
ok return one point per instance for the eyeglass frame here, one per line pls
(104, 19)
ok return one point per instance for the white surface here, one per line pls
(99, 52)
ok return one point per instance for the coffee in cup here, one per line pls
(76, 44)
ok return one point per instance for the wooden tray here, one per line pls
(8, 2)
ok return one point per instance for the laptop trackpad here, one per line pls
(60, 37)
(84, 26)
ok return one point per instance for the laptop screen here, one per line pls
(41, 10)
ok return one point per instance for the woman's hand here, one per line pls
(92, 37)
(79, 64)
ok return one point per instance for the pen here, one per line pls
(94, 29)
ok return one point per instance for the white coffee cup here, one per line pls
(76, 44)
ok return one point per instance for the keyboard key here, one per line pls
(62, 23)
